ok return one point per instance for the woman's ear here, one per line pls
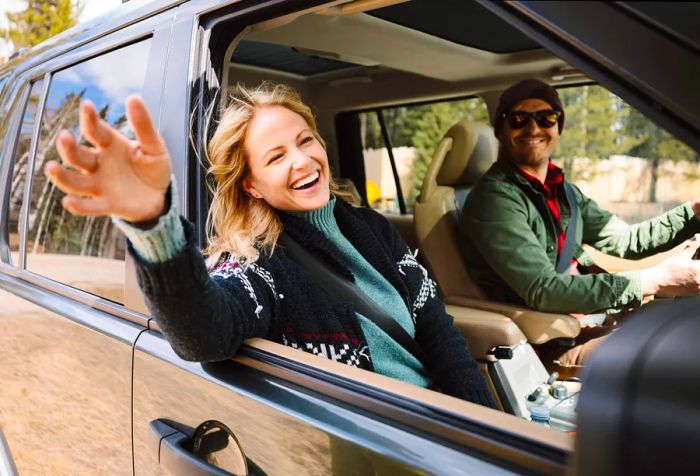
(250, 189)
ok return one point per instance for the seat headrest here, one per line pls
(474, 149)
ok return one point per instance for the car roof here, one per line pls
(125, 14)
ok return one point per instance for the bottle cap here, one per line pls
(540, 412)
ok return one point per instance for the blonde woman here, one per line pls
(271, 173)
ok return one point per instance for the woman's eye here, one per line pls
(274, 158)
(306, 140)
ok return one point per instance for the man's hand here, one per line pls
(678, 275)
(695, 205)
(119, 177)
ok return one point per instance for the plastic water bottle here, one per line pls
(540, 414)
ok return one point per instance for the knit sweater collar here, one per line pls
(350, 222)
(322, 218)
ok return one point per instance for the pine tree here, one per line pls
(41, 20)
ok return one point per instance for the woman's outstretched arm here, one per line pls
(204, 317)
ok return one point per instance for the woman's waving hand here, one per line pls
(117, 176)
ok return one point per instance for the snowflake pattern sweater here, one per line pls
(207, 314)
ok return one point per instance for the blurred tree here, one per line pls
(600, 124)
(591, 118)
(655, 144)
(41, 19)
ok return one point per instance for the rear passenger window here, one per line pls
(19, 171)
(414, 132)
(83, 252)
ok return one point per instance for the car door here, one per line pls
(66, 328)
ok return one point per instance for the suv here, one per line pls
(91, 386)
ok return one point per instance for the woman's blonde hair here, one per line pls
(237, 223)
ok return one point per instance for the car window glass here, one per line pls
(19, 171)
(415, 132)
(84, 252)
(621, 159)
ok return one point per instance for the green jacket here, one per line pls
(509, 246)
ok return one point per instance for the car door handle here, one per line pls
(170, 446)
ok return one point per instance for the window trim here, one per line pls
(7, 161)
(24, 212)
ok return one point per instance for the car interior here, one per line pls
(364, 56)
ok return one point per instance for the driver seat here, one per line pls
(464, 154)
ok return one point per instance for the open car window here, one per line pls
(450, 74)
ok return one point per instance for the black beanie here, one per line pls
(527, 89)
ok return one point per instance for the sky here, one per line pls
(91, 9)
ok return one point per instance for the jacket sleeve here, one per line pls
(206, 317)
(611, 235)
(498, 227)
(449, 361)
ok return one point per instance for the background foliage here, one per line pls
(40, 20)
(598, 125)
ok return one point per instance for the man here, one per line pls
(514, 226)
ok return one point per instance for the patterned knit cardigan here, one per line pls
(206, 315)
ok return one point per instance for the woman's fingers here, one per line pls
(77, 156)
(93, 128)
(140, 120)
(69, 181)
(86, 206)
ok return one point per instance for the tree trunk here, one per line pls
(654, 164)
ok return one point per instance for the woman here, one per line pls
(271, 173)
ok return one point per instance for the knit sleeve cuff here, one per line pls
(162, 242)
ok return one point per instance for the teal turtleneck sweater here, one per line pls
(388, 357)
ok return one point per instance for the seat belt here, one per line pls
(567, 251)
(342, 290)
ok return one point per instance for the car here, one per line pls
(91, 386)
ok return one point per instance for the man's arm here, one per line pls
(498, 227)
(612, 236)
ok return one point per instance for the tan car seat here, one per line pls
(461, 158)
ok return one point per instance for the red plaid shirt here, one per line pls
(550, 190)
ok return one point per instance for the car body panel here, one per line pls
(66, 376)
(272, 416)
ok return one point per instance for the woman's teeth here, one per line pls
(304, 182)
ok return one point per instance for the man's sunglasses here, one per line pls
(544, 119)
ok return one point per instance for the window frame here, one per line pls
(36, 128)
(454, 430)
